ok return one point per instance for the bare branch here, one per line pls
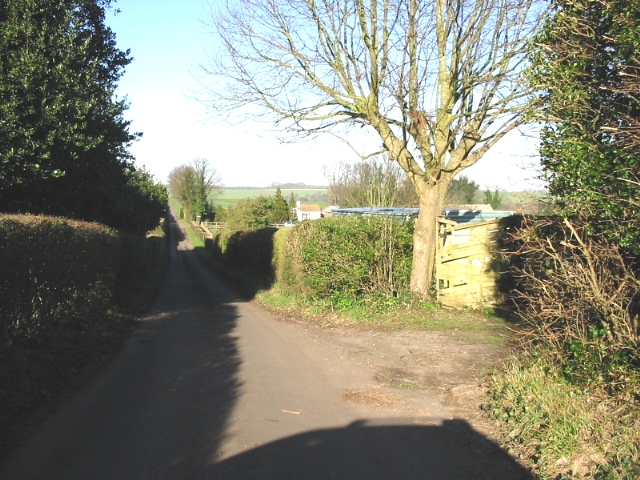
(439, 83)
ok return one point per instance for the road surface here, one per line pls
(212, 387)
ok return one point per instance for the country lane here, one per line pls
(211, 386)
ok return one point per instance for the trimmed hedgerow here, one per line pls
(331, 258)
(65, 290)
(62, 276)
(57, 275)
(346, 257)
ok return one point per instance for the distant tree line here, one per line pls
(380, 182)
(63, 137)
(291, 185)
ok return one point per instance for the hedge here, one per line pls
(57, 275)
(346, 256)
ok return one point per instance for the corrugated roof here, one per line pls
(458, 216)
(474, 216)
(376, 211)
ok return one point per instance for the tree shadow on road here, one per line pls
(391, 449)
(200, 364)
(245, 263)
(384, 449)
(451, 451)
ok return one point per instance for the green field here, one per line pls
(229, 196)
(527, 201)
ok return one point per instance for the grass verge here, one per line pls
(562, 430)
(473, 326)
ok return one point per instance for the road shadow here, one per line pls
(162, 409)
(452, 451)
(246, 260)
(199, 365)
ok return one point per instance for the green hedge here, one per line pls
(346, 256)
(244, 257)
(144, 262)
(57, 275)
(64, 286)
(63, 277)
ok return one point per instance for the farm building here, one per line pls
(307, 212)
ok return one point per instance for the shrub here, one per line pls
(58, 275)
(243, 257)
(144, 261)
(63, 288)
(63, 276)
(580, 294)
(347, 257)
(571, 404)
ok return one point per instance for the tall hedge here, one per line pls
(57, 276)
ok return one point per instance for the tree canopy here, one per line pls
(63, 138)
(436, 83)
(193, 184)
(462, 191)
(256, 212)
(587, 66)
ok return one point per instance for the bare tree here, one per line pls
(374, 182)
(437, 82)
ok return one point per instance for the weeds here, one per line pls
(565, 430)
(571, 406)
(581, 296)
(380, 313)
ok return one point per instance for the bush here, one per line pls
(333, 259)
(144, 262)
(343, 258)
(580, 294)
(63, 287)
(571, 405)
(243, 257)
(58, 275)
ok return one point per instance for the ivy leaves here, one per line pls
(586, 67)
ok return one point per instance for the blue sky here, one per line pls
(168, 40)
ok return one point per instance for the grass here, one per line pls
(565, 430)
(230, 196)
(393, 314)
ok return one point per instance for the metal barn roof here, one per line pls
(459, 216)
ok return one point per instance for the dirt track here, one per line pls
(212, 386)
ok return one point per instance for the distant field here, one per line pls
(229, 196)
(519, 201)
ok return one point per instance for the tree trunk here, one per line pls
(424, 241)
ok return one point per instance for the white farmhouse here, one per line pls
(307, 212)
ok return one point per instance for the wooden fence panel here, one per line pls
(467, 267)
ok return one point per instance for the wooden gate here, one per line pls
(467, 263)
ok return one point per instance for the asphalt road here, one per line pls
(213, 387)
